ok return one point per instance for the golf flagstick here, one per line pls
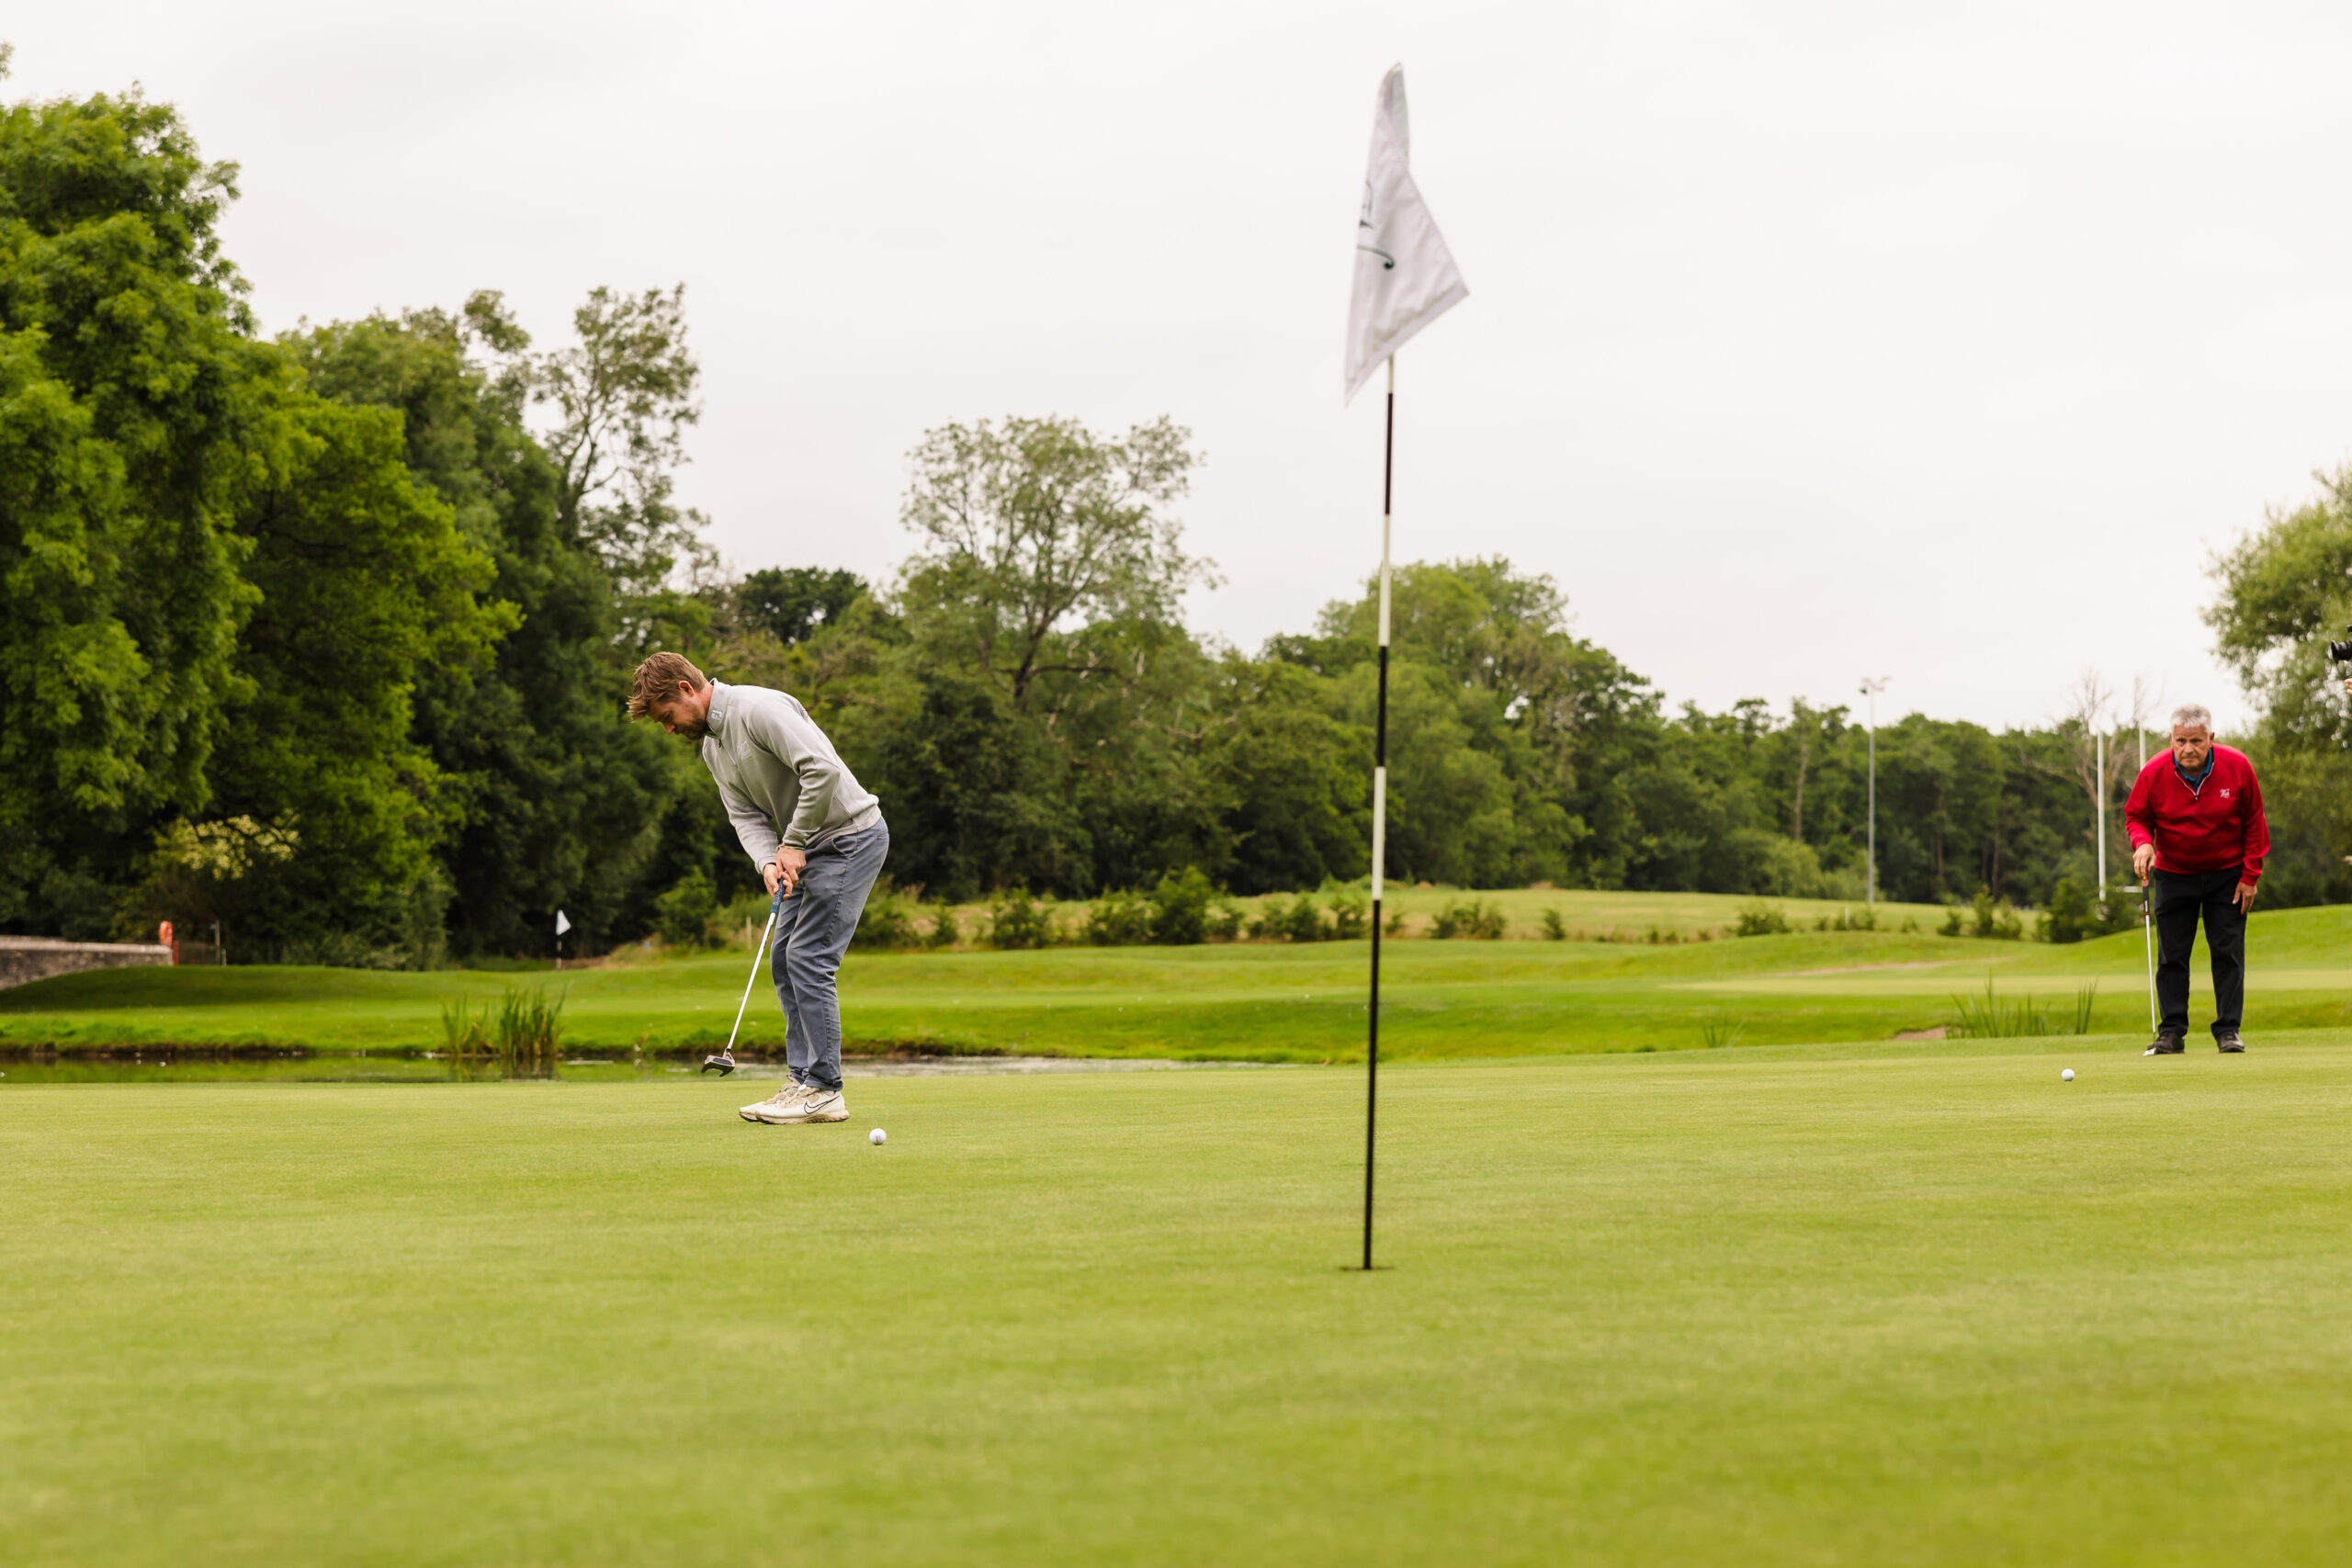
(2148, 940)
(1379, 811)
(1405, 278)
(725, 1061)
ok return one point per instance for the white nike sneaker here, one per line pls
(782, 1099)
(813, 1105)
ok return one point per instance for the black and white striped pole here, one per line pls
(1405, 278)
(1379, 812)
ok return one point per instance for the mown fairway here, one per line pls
(1253, 1001)
(1907, 1304)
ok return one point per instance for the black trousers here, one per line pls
(2180, 898)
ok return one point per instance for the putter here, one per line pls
(2148, 940)
(724, 1063)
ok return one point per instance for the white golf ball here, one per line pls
(2068, 1075)
(879, 1136)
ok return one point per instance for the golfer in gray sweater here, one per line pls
(816, 835)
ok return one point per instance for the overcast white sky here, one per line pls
(1803, 342)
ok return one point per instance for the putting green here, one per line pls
(1784, 1305)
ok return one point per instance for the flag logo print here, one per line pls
(1387, 262)
(1404, 276)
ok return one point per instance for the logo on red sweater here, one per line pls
(2226, 794)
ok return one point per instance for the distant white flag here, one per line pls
(562, 922)
(1404, 276)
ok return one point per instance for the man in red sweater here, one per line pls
(2199, 838)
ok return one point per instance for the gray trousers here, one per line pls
(812, 931)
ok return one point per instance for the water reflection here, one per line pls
(412, 1066)
(387, 1067)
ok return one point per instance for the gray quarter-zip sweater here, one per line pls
(781, 779)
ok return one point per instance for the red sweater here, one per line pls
(2217, 825)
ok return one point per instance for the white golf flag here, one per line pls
(562, 922)
(1404, 276)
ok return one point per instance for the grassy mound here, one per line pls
(1253, 1001)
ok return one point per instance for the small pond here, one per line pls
(427, 1068)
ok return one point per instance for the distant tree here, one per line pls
(556, 800)
(1049, 578)
(363, 578)
(1288, 780)
(1511, 739)
(1035, 531)
(2092, 757)
(1808, 763)
(336, 585)
(682, 915)
(789, 603)
(623, 394)
(975, 796)
(198, 874)
(2069, 916)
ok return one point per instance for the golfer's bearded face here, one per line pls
(2190, 742)
(679, 721)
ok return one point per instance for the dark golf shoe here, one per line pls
(2229, 1044)
(2165, 1045)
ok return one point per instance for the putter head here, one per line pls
(721, 1063)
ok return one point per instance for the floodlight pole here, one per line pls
(1871, 686)
(1379, 809)
(2098, 773)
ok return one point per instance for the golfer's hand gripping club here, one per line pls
(724, 1063)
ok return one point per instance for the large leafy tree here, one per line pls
(1286, 776)
(790, 603)
(553, 800)
(974, 793)
(623, 395)
(71, 700)
(2286, 590)
(1042, 541)
(1507, 733)
(1042, 619)
(226, 586)
(363, 580)
(2286, 593)
(139, 418)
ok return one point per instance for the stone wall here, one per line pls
(23, 959)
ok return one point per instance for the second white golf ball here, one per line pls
(2068, 1075)
(879, 1136)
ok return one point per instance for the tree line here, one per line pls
(324, 636)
